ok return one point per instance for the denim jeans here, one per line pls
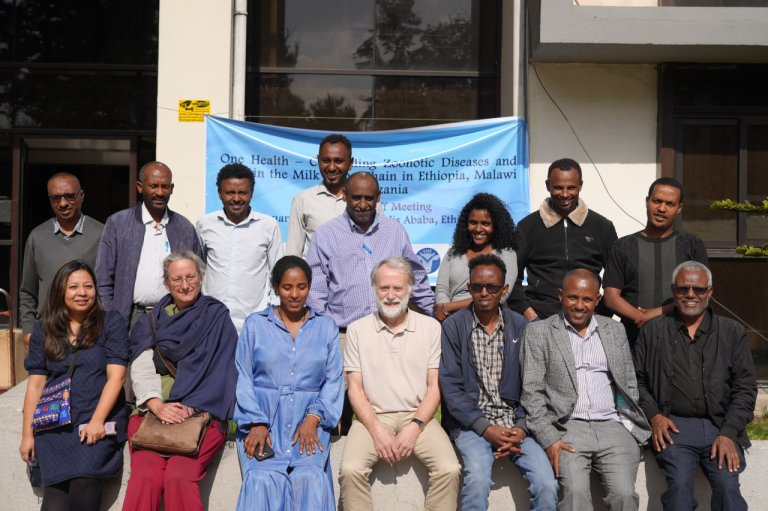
(477, 457)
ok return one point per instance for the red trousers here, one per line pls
(176, 476)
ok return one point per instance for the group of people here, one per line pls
(346, 329)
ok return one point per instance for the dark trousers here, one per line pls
(678, 463)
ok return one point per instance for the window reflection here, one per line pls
(314, 101)
(92, 99)
(344, 102)
(710, 172)
(380, 34)
(757, 179)
(311, 34)
(366, 64)
(419, 101)
(79, 31)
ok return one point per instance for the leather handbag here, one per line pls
(183, 438)
(53, 409)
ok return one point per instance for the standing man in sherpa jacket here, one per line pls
(561, 236)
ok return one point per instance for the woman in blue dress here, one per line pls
(74, 326)
(290, 393)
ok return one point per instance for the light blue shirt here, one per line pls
(281, 380)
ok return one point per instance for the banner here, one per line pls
(426, 174)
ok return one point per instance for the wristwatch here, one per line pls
(420, 423)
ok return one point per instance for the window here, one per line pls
(373, 64)
(719, 117)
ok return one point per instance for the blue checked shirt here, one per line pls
(342, 257)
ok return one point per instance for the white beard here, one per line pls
(391, 310)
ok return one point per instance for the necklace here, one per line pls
(296, 324)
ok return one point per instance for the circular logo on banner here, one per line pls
(429, 259)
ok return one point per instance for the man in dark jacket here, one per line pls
(561, 236)
(480, 384)
(697, 387)
(129, 265)
(638, 270)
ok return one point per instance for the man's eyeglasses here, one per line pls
(683, 290)
(189, 279)
(69, 197)
(492, 288)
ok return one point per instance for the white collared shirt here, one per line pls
(240, 258)
(148, 288)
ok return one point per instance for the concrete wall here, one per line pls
(398, 488)
(612, 109)
(194, 63)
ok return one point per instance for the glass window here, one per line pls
(309, 34)
(372, 64)
(78, 31)
(710, 169)
(757, 179)
(83, 99)
(419, 101)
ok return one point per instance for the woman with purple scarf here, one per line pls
(195, 333)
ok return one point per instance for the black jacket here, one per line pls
(550, 247)
(730, 386)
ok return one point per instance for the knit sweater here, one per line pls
(46, 252)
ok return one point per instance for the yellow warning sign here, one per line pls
(192, 110)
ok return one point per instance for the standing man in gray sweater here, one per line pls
(68, 235)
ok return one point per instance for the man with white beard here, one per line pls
(391, 359)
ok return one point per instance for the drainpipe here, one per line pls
(238, 59)
(519, 60)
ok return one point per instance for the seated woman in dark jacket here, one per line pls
(75, 331)
(195, 333)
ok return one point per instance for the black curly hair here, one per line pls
(504, 229)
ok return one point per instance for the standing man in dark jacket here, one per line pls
(639, 268)
(129, 265)
(480, 383)
(561, 236)
(697, 387)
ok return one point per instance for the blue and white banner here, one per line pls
(426, 174)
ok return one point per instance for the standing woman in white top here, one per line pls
(484, 227)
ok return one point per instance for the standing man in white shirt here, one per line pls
(314, 206)
(240, 246)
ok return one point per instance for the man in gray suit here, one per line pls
(580, 392)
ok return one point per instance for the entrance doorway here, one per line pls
(106, 168)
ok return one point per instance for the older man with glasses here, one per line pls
(697, 386)
(68, 235)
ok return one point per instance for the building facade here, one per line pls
(632, 89)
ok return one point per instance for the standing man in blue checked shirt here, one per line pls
(345, 250)
(480, 380)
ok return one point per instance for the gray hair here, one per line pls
(181, 255)
(692, 266)
(396, 263)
